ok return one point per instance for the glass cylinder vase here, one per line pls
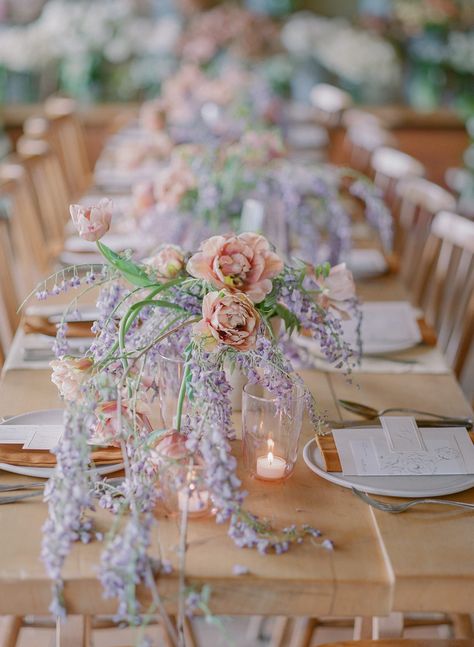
(183, 486)
(170, 377)
(271, 427)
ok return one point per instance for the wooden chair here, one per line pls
(41, 128)
(299, 632)
(419, 201)
(8, 293)
(403, 643)
(46, 176)
(307, 142)
(80, 631)
(70, 141)
(362, 139)
(29, 244)
(330, 103)
(445, 284)
(389, 166)
(360, 117)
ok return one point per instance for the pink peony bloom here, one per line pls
(339, 285)
(228, 318)
(243, 263)
(92, 222)
(336, 288)
(107, 430)
(199, 50)
(143, 198)
(173, 183)
(258, 148)
(152, 115)
(167, 262)
(68, 375)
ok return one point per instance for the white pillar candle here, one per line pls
(198, 500)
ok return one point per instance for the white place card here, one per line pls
(402, 434)
(366, 452)
(44, 437)
(15, 434)
(31, 436)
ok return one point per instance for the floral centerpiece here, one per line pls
(314, 204)
(215, 306)
(209, 183)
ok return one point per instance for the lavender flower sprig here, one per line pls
(68, 494)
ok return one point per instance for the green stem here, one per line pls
(182, 395)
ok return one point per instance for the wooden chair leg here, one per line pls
(75, 631)
(255, 629)
(362, 628)
(390, 626)
(10, 627)
(168, 638)
(303, 632)
(462, 625)
(281, 631)
(189, 635)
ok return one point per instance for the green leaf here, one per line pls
(154, 436)
(290, 320)
(127, 268)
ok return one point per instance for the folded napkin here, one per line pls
(15, 455)
(330, 456)
(41, 324)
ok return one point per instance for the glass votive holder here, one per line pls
(271, 428)
(183, 485)
(170, 376)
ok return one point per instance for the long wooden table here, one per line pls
(419, 561)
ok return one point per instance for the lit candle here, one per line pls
(198, 500)
(270, 466)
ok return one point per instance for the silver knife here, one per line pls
(368, 424)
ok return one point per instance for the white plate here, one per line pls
(44, 417)
(387, 327)
(400, 486)
(366, 263)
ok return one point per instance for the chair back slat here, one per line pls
(8, 295)
(70, 140)
(329, 103)
(419, 201)
(23, 213)
(361, 140)
(445, 285)
(49, 185)
(389, 166)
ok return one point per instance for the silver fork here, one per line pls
(401, 507)
(19, 497)
(22, 486)
(39, 487)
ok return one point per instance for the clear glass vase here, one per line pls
(271, 428)
(170, 377)
(183, 486)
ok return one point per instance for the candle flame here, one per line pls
(271, 445)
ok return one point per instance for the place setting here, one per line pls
(394, 339)
(26, 442)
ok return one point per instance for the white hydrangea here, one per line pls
(361, 57)
(66, 30)
(351, 53)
